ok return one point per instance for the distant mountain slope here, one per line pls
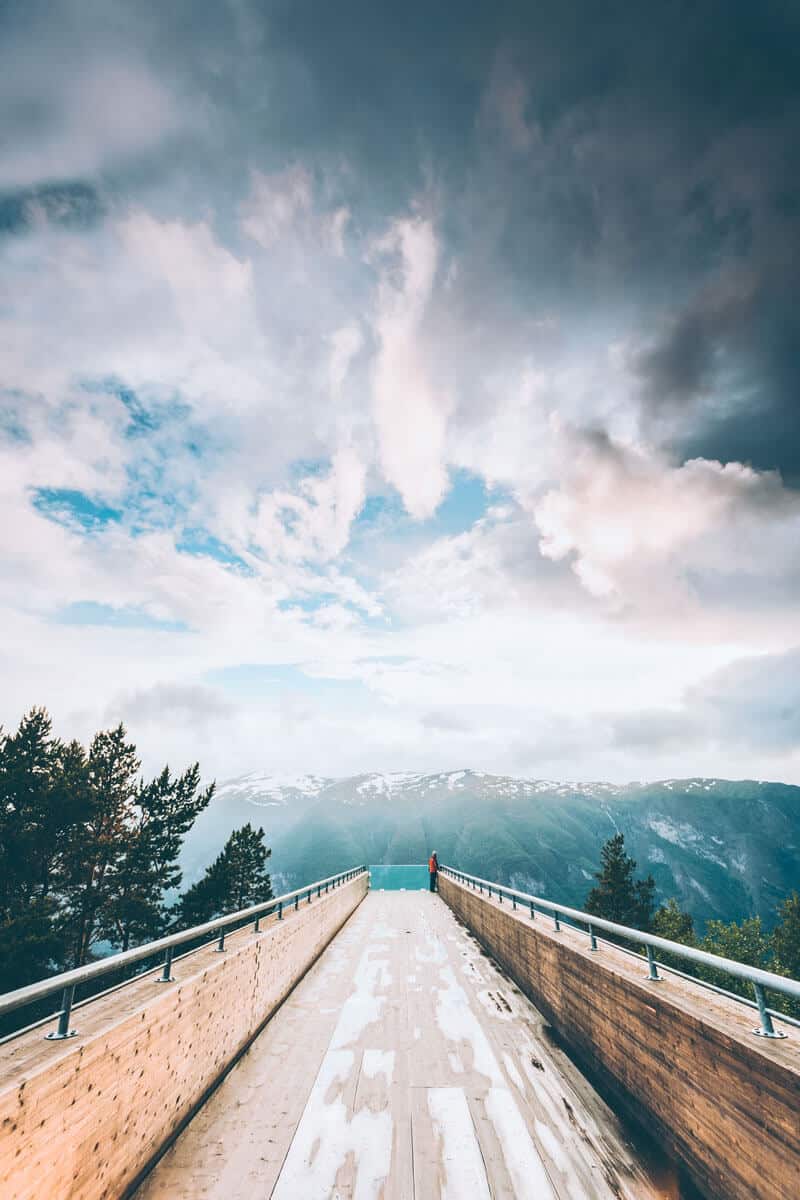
(723, 849)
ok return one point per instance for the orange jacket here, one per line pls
(433, 866)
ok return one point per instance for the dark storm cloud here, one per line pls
(70, 205)
(728, 365)
(616, 167)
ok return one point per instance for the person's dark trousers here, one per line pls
(433, 881)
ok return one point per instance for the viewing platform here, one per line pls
(381, 1044)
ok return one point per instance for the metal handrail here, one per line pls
(67, 981)
(756, 976)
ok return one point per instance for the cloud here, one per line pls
(640, 530)
(410, 416)
(345, 344)
(314, 522)
(754, 701)
(172, 703)
(67, 116)
(282, 205)
(455, 366)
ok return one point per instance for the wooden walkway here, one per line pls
(404, 1065)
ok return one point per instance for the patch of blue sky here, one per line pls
(87, 612)
(301, 468)
(466, 501)
(202, 544)
(12, 427)
(262, 680)
(165, 429)
(308, 603)
(146, 413)
(74, 509)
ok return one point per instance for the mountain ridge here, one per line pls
(726, 849)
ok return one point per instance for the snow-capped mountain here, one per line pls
(724, 849)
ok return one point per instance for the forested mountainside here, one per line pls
(724, 849)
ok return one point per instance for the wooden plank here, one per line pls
(726, 1102)
(83, 1118)
(396, 1069)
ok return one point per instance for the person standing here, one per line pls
(433, 870)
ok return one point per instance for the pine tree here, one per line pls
(43, 797)
(619, 896)
(98, 851)
(236, 879)
(163, 812)
(249, 882)
(87, 849)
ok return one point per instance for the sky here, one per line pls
(404, 387)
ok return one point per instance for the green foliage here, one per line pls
(236, 879)
(670, 921)
(744, 942)
(786, 949)
(42, 804)
(619, 896)
(88, 850)
(164, 810)
(786, 938)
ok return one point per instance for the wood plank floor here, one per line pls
(404, 1065)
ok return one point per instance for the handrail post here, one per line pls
(513, 900)
(592, 939)
(280, 910)
(652, 973)
(297, 902)
(63, 1030)
(221, 943)
(166, 974)
(533, 912)
(556, 922)
(766, 1028)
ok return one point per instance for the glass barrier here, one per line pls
(401, 877)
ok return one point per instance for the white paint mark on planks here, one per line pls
(527, 1171)
(378, 1062)
(464, 1172)
(458, 1022)
(327, 1137)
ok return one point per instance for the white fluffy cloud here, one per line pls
(603, 579)
(633, 525)
(410, 414)
(314, 522)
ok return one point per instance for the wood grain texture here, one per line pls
(82, 1119)
(403, 1067)
(679, 1057)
